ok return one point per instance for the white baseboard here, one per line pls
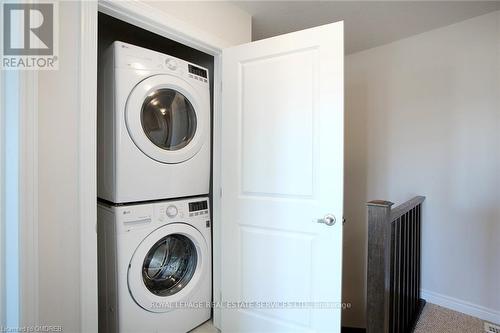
(461, 306)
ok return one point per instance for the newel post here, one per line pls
(378, 270)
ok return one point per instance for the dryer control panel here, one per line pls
(197, 73)
(137, 58)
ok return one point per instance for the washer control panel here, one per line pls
(172, 211)
(151, 215)
(182, 209)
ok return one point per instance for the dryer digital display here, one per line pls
(197, 71)
(198, 205)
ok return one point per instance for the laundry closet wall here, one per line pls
(58, 142)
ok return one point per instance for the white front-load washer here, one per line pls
(154, 266)
(153, 126)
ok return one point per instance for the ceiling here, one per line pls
(367, 23)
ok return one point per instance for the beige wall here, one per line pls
(423, 118)
(219, 18)
(59, 242)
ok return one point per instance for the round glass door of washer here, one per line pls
(167, 266)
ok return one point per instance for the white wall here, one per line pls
(423, 118)
(58, 191)
(58, 217)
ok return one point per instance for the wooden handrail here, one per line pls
(406, 207)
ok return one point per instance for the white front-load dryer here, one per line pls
(155, 270)
(153, 126)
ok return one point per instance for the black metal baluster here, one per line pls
(410, 273)
(419, 234)
(413, 261)
(395, 295)
(398, 279)
(405, 271)
(408, 268)
(392, 274)
(412, 266)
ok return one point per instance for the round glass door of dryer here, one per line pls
(166, 118)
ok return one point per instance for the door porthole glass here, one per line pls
(168, 119)
(169, 265)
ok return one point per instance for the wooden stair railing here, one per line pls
(393, 273)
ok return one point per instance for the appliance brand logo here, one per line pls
(30, 32)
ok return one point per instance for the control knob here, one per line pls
(172, 211)
(171, 64)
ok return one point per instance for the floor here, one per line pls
(434, 319)
(207, 327)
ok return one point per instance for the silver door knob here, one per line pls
(329, 220)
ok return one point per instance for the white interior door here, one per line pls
(282, 170)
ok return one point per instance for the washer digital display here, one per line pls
(198, 205)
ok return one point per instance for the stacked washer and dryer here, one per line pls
(154, 235)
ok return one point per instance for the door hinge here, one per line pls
(220, 192)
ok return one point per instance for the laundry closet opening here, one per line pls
(154, 180)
